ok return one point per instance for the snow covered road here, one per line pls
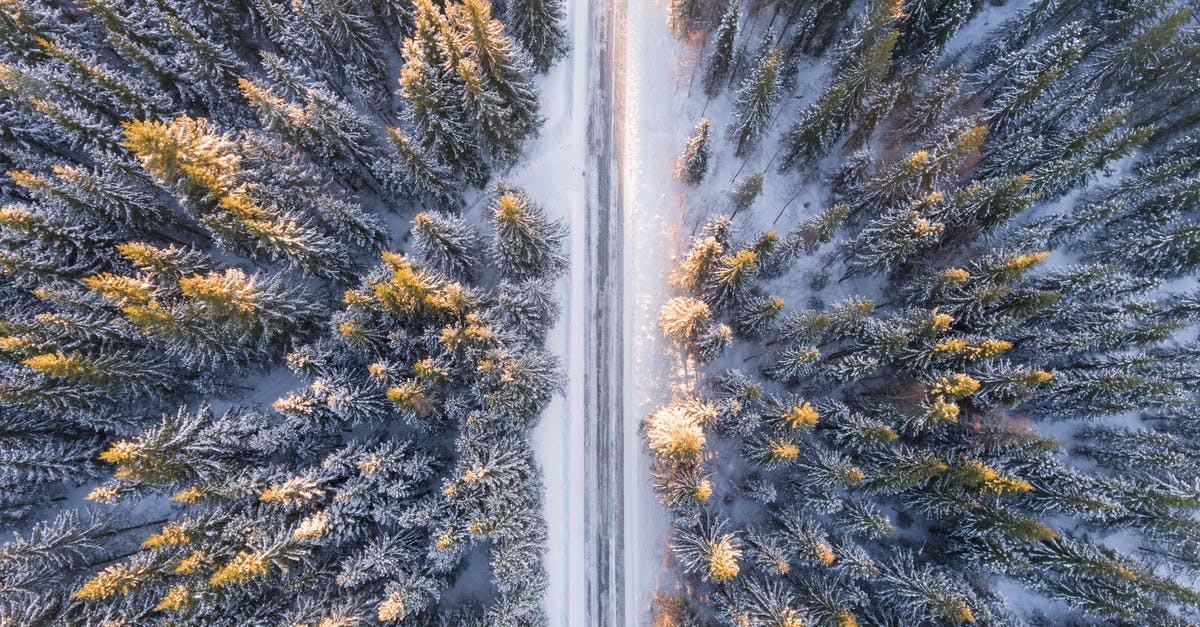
(604, 375)
(607, 531)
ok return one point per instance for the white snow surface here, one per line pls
(658, 115)
(553, 175)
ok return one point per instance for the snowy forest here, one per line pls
(272, 328)
(333, 313)
(943, 318)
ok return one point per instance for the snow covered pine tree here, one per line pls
(988, 417)
(192, 188)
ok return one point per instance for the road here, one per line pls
(597, 165)
(604, 365)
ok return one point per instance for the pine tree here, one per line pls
(985, 328)
(506, 104)
(732, 279)
(118, 371)
(891, 238)
(421, 176)
(922, 591)
(757, 316)
(1020, 81)
(160, 242)
(447, 244)
(757, 97)
(820, 124)
(1164, 252)
(721, 61)
(538, 25)
(932, 105)
(864, 56)
(527, 244)
(707, 549)
(325, 124)
(110, 195)
(698, 264)
(435, 100)
(747, 191)
(675, 432)
(683, 319)
(933, 22)
(207, 166)
(530, 307)
(692, 164)
(687, 15)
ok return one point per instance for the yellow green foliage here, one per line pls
(722, 559)
(114, 580)
(801, 415)
(243, 567)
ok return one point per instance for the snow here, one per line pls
(553, 175)
(658, 116)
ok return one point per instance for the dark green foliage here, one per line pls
(538, 26)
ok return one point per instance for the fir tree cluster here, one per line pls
(980, 406)
(276, 414)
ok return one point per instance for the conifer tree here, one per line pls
(162, 247)
(538, 25)
(435, 100)
(707, 549)
(421, 176)
(721, 60)
(683, 319)
(497, 81)
(755, 101)
(985, 329)
(892, 238)
(732, 279)
(686, 15)
(747, 191)
(933, 22)
(527, 243)
(692, 164)
(447, 244)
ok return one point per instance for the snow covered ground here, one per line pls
(553, 175)
(657, 116)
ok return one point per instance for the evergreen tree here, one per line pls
(162, 248)
(421, 176)
(435, 100)
(527, 243)
(447, 244)
(933, 22)
(692, 164)
(497, 79)
(687, 15)
(538, 25)
(707, 549)
(721, 61)
(747, 191)
(755, 100)
(732, 279)
(985, 329)
(891, 238)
